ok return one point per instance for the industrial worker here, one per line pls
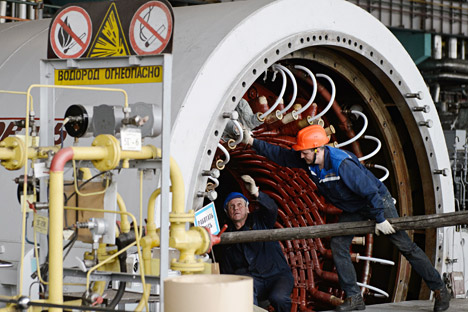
(263, 261)
(351, 187)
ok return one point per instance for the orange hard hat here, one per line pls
(311, 137)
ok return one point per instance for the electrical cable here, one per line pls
(24, 303)
(84, 183)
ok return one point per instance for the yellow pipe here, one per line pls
(150, 224)
(178, 189)
(89, 153)
(147, 243)
(56, 209)
(147, 152)
(124, 223)
(56, 239)
(86, 173)
(137, 242)
(100, 286)
(6, 153)
(76, 88)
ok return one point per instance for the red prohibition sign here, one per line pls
(151, 28)
(71, 32)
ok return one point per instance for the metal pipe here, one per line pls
(294, 84)
(56, 206)
(221, 163)
(3, 6)
(232, 144)
(377, 149)
(124, 223)
(280, 96)
(380, 291)
(387, 173)
(378, 260)
(357, 136)
(332, 98)
(348, 228)
(314, 92)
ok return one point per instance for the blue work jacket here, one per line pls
(343, 181)
(256, 259)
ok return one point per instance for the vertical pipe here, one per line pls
(3, 6)
(31, 12)
(55, 239)
(22, 10)
(452, 48)
(462, 49)
(56, 226)
(437, 48)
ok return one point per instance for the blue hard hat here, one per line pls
(233, 195)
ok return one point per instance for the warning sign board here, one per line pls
(207, 217)
(111, 29)
(71, 32)
(110, 39)
(111, 75)
(150, 28)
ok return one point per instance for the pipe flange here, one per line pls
(19, 149)
(187, 267)
(182, 217)
(206, 239)
(112, 145)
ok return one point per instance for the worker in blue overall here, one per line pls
(351, 187)
(263, 261)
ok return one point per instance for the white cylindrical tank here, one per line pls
(200, 293)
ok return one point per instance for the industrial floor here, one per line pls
(456, 305)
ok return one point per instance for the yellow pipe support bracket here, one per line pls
(18, 158)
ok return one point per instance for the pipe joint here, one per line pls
(13, 153)
(182, 217)
(112, 147)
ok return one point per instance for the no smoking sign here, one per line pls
(71, 32)
(151, 28)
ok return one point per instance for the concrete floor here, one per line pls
(456, 305)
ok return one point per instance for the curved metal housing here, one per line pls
(220, 50)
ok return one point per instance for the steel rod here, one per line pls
(348, 228)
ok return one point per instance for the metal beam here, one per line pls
(345, 228)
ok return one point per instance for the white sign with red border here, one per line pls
(71, 32)
(151, 28)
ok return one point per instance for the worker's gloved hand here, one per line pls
(384, 227)
(247, 139)
(250, 185)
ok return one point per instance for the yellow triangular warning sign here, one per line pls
(110, 39)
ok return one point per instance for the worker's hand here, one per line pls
(384, 227)
(247, 139)
(250, 185)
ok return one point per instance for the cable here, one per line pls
(86, 194)
(26, 231)
(357, 136)
(280, 96)
(84, 183)
(24, 303)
